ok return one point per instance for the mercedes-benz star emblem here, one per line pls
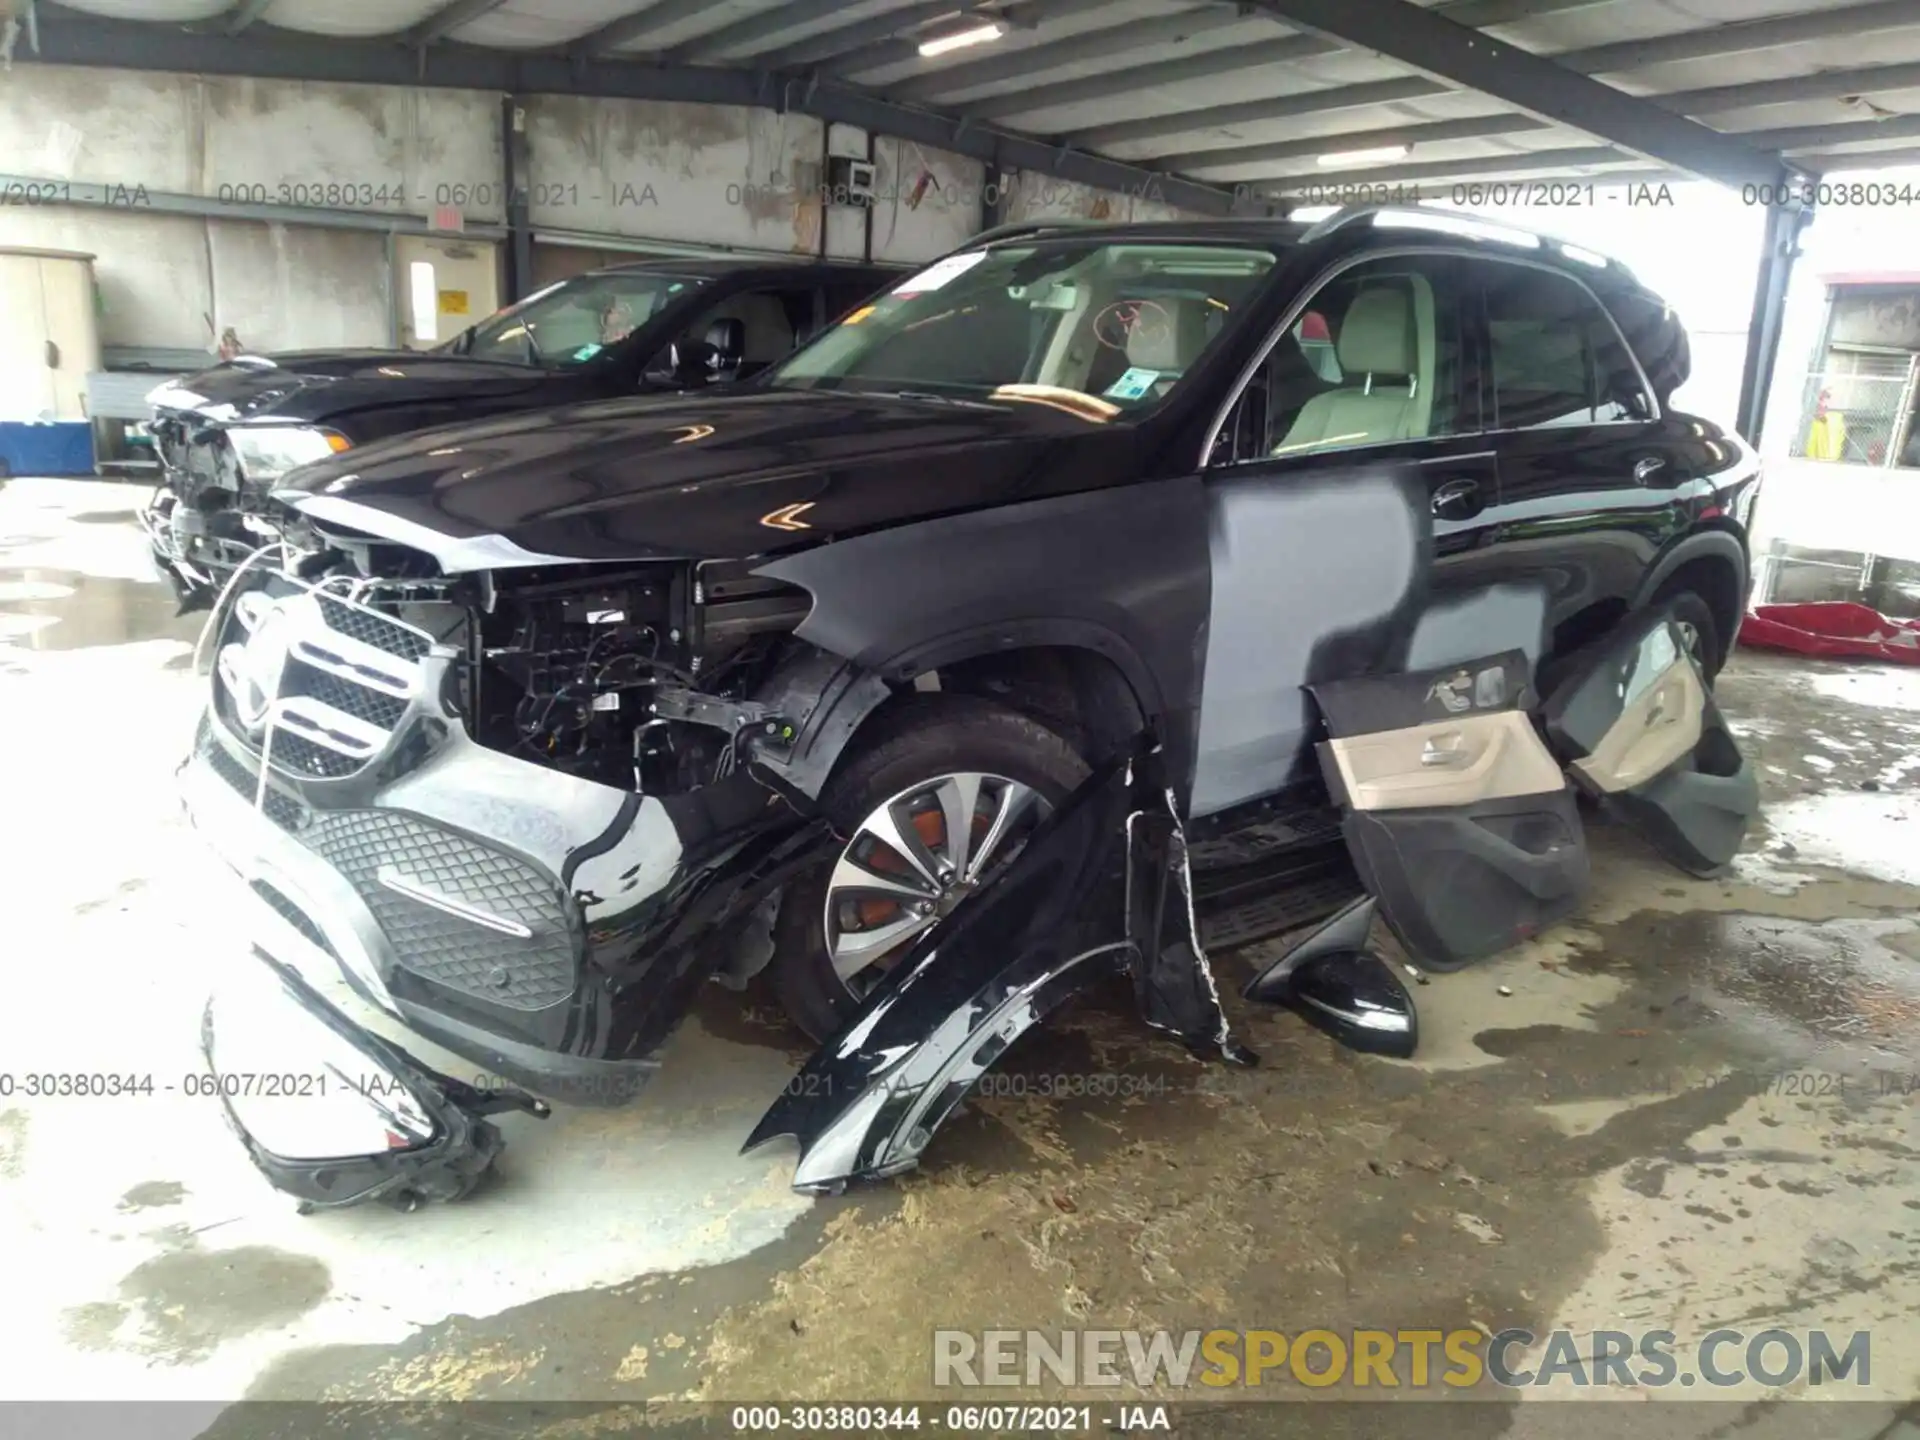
(262, 660)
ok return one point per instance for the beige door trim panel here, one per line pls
(1658, 729)
(1462, 760)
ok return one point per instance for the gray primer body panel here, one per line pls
(1457, 628)
(1314, 577)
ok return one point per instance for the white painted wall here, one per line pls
(711, 174)
(1031, 195)
(718, 175)
(928, 201)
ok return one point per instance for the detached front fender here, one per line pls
(1086, 899)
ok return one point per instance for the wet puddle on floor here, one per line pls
(1797, 989)
(68, 610)
(1872, 834)
(1882, 685)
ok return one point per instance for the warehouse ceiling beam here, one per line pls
(1744, 37)
(1714, 41)
(748, 36)
(886, 39)
(449, 18)
(1821, 85)
(1478, 127)
(619, 34)
(1472, 60)
(241, 16)
(1384, 92)
(1236, 59)
(1847, 132)
(1695, 102)
(1077, 49)
(875, 29)
(72, 39)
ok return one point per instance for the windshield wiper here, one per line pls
(934, 398)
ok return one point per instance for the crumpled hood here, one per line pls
(315, 385)
(728, 474)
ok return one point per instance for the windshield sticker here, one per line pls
(587, 352)
(940, 272)
(1132, 385)
(857, 316)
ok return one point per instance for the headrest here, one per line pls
(1160, 345)
(1377, 338)
(729, 340)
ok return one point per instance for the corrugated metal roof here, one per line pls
(1222, 91)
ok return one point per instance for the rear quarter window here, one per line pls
(1658, 339)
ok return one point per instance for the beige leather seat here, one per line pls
(1167, 343)
(769, 334)
(1384, 351)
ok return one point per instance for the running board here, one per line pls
(1240, 904)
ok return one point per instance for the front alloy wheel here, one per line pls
(916, 857)
(933, 798)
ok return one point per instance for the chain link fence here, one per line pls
(1859, 418)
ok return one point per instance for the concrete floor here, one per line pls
(1618, 1142)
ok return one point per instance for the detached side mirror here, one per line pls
(1336, 984)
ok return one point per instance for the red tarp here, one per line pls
(1834, 628)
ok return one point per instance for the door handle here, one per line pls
(1645, 469)
(1455, 497)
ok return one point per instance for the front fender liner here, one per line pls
(1086, 899)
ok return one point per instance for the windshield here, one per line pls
(570, 323)
(1101, 328)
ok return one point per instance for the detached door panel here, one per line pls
(1458, 817)
(1637, 728)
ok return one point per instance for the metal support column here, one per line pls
(1779, 250)
(993, 202)
(513, 152)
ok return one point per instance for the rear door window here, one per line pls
(1556, 358)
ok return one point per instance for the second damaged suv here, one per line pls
(1096, 599)
(226, 436)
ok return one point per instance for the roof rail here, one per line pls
(1030, 227)
(1456, 222)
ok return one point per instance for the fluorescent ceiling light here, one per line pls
(960, 39)
(1365, 157)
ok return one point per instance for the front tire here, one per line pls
(900, 863)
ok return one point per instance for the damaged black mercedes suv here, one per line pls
(1096, 600)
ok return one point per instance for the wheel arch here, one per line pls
(1713, 564)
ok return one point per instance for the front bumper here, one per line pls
(318, 885)
(543, 928)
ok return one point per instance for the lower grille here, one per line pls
(393, 859)
(298, 755)
(282, 810)
(294, 916)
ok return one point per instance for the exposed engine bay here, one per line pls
(206, 519)
(638, 677)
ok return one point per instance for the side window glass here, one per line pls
(750, 330)
(1556, 358)
(1374, 359)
